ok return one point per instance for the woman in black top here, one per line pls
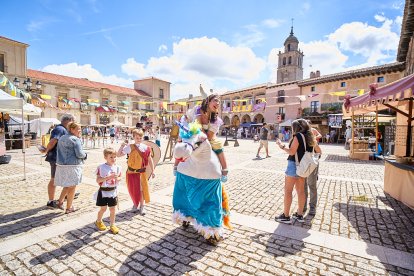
(301, 131)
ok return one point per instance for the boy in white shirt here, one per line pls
(107, 176)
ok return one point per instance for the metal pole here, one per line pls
(409, 134)
(353, 134)
(376, 128)
(23, 144)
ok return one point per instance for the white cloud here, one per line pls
(163, 48)
(200, 60)
(86, 71)
(271, 23)
(380, 17)
(251, 38)
(323, 56)
(374, 43)
(133, 68)
(305, 8)
(110, 40)
(196, 61)
(38, 25)
(398, 20)
(398, 5)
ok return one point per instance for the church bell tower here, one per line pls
(290, 62)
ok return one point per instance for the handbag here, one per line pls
(308, 163)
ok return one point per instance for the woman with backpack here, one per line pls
(303, 140)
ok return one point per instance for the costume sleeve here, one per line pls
(214, 127)
(127, 150)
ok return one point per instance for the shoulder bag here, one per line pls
(308, 163)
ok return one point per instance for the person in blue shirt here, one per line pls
(112, 134)
(379, 151)
(51, 155)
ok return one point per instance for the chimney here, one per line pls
(318, 73)
(312, 75)
(190, 96)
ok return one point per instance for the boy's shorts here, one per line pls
(106, 201)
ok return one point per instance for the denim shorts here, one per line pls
(291, 169)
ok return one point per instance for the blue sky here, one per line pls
(224, 45)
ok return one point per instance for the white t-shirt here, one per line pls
(141, 148)
(105, 170)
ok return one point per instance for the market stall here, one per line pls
(14, 105)
(399, 169)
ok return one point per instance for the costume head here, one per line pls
(190, 134)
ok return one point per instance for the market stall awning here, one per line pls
(13, 105)
(388, 94)
(286, 123)
(104, 108)
(122, 110)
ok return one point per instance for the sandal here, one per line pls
(60, 206)
(70, 210)
(186, 224)
(212, 241)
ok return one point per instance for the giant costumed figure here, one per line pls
(199, 195)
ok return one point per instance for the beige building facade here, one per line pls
(91, 102)
(13, 60)
(244, 107)
(325, 94)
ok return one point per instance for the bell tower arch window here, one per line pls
(290, 60)
(288, 47)
(284, 61)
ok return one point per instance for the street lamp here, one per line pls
(27, 83)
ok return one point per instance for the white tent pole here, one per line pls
(23, 145)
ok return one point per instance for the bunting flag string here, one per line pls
(14, 91)
(340, 93)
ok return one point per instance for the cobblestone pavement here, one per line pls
(151, 245)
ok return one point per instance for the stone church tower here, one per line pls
(290, 63)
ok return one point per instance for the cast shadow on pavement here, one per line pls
(346, 159)
(21, 214)
(387, 233)
(79, 238)
(290, 243)
(29, 222)
(170, 254)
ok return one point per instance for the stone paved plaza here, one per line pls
(345, 237)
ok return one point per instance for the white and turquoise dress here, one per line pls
(197, 194)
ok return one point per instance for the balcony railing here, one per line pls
(331, 107)
(259, 107)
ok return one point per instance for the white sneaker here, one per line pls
(142, 211)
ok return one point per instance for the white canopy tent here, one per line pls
(42, 125)
(287, 123)
(116, 123)
(14, 105)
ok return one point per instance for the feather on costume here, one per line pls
(199, 196)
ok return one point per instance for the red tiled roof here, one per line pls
(49, 77)
(149, 78)
(357, 73)
(15, 41)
